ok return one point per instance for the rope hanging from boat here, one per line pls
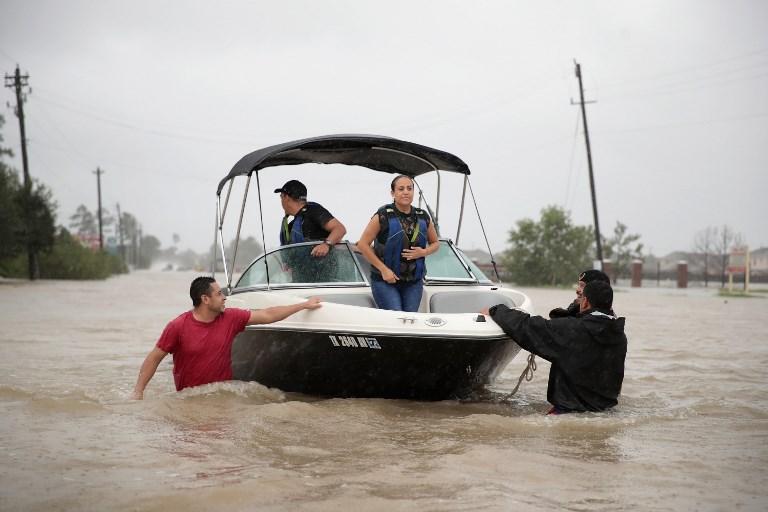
(527, 375)
(488, 245)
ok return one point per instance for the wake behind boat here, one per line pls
(349, 348)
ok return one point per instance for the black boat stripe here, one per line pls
(380, 334)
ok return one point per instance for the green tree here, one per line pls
(83, 222)
(622, 248)
(549, 252)
(704, 244)
(10, 216)
(39, 230)
(150, 249)
(247, 250)
(70, 260)
(26, 214)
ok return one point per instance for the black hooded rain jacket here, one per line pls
(587, 353)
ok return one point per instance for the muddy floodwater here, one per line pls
(690, 431)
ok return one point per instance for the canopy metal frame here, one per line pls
(383, 154)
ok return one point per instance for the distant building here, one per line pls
(665, 267)
(482, 259)
(88, 241)
(759, 263)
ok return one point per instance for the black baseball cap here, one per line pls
(295, 189)
(594, 275)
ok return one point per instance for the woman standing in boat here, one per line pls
(402, 237)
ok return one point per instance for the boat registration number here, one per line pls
(354, 341)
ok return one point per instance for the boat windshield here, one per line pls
(294, 265)
(447, 265)
(479, 274)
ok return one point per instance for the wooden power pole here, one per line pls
(18, 81)
(98, 172)
(598, 242)
(120, 232)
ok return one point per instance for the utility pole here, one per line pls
(140, 257)
(17, 81)
(120, 231)
(98, 172)
(589, 162)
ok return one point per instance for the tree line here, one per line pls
(32, 245)
(553, 250)
(713, 243)
(122, 233)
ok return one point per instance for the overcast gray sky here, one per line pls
(166, 96)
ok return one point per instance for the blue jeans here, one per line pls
(401, 296)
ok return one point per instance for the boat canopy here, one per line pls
(384, 154)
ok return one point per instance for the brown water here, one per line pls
(690, 431)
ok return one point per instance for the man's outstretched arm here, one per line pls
(336, 232)
(532, 333)
(147, 371)
(277, 313)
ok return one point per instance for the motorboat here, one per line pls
(349, 347)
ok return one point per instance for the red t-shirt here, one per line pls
(202, 352)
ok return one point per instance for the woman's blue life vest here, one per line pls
(293, 234)
(397, 241)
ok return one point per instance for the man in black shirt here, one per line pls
(310, 222)
(587, 351)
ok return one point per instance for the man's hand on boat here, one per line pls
(320, 250)
(277, 313)
(313, 303)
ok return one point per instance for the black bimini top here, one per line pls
(376, 152)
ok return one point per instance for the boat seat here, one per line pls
(466, 301)
(350, 299)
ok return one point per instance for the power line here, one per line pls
(570, 163)
(5, 54)
(691, 123)
(692, 87)
(124, 125)
(679, 71)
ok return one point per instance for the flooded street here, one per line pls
(690, 431)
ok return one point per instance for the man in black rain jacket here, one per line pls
(587, 352)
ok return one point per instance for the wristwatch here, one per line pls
(328, 243)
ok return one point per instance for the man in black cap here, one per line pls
(310, 222)
(587, 351)
(585, 277)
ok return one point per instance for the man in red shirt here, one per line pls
(201, 339)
